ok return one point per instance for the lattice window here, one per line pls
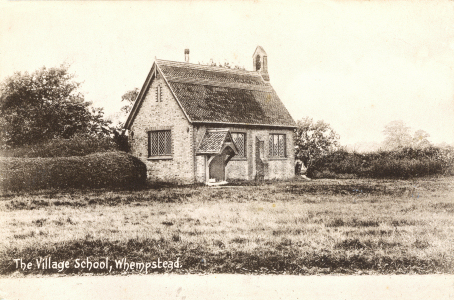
(159, 143)
(281, 146)
(240, 142)
(271, 146)
(277, 145)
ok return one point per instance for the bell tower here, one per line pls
(260, 63)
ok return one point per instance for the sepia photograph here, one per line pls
(227, 149)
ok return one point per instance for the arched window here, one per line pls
(258, 64)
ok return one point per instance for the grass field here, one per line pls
(353, 226)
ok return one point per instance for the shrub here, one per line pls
(109, 169)
(78, 145)
(403, 168)
(403, 163)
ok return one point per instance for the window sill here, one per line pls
(238, 158)
(278, 158)
(163, 157)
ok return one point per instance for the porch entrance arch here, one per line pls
(217, 164)
(218, 148)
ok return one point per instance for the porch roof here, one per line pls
(214, 140)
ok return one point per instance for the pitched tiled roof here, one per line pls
(221, 95)
(213, 140)
(209, 94)
(176, 71)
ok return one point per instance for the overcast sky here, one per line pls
(355, 64)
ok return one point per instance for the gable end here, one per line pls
(155, 70)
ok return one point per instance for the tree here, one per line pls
(45, 105)
(420, 140)
(397, 135)
(314, 139)
(118, 130)
(118, 119)
(129, 97)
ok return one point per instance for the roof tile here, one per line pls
(213, 141)
(221, 95)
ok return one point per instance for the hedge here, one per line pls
(108, 169)
(404, 163)
(78, 145)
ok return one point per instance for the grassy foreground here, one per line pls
(350, 226)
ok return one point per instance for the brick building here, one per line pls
(192, 123)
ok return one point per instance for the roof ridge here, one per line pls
(211, 68)
(234, 85)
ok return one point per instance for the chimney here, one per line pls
(186, 55)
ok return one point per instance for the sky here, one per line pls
(357, 65)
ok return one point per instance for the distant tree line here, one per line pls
(398, 136)
(402, 155)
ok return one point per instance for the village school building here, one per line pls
(197, 123)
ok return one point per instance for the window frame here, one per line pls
(167, 147)
(238, 156)
(274, 153)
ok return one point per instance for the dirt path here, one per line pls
(226, 286)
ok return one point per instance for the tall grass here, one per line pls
(298, 227)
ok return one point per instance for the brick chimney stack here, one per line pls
(186, 55)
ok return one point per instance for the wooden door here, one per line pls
(217, 168)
